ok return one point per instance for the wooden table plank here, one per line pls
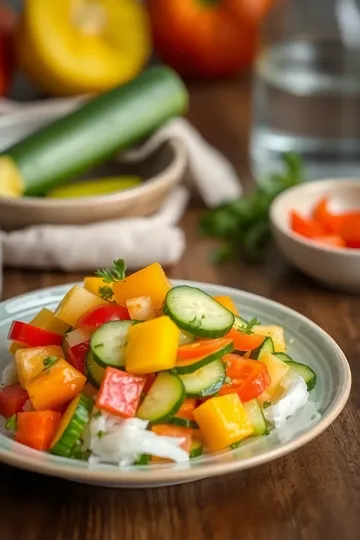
(311, 494)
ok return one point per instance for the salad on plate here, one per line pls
(131, 370)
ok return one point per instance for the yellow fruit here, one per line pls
(70, 47)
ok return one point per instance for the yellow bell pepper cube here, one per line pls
(57, 385)
(277, 370)
(152, 346)
(94, 284)
(30, 361)
(223, 421)
(227, 302)
(275, 332)
(75, 303)
(46, 320)
(150, 281)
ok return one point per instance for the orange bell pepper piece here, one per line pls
(331, 240)
(30, 362)
(227, 302)
(322, 215)
(187, 408)
(243, 341)
(57, 385)
(37, 429)
(349, 229)
(305, 227)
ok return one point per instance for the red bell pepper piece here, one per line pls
(37, 428)
(12, 400)
(244, 341)
(327, 220)
(99, 315)
(305, 227)
(249, 378)
(32, 336)
(149, 380)
(76, 346)
(120, 393)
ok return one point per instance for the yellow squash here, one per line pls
(70, 47)
(75, 303)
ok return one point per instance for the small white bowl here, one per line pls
(338, 268)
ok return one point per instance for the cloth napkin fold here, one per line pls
(139, 241)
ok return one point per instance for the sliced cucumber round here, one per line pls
(94, 372)
(72, 426)
(206, 381)
(283, 356)
(256, 417)
(198, 313)
(163, 400)
(108, 343)
(196, 449)
(189, 366)
(239, 322)
(305, 372)
(183, 422)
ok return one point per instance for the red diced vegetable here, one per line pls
(322, 215)
(249, 378)
(120, 393)
(99, 315)
(305, 227)
(12, 400)
(32, 336)
(37, 429)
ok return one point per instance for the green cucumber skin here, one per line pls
(284, 357)
(69, 439)
(98, 130)
(88, 371)
(183, 422)
(197, 449)
(190, 368)
(266, 346)
(144, 459)
(210, 390)
(93, 348)
(296, 367)
(165, 418)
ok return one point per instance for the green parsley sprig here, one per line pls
(243, 225)
(113, 274)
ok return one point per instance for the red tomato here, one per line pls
(202, 38)
(245, 342)
(99, 315)
(305, 227)
(120, 393)
(32, 336)
(201, 348)
(12, 400)
(7, 56)
(250, 378)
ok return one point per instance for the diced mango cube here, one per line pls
(275, 332)
(150, 281)
(30, 361)
(75, 303)
(277, 369)
(223, 421)
(152, 346)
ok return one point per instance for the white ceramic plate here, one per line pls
(308, 344)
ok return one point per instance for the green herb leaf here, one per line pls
(106, 293)
(100, 434)
(116, 273)
(11, 424)
(243, 225)
(50, 361)
(248, 328)
(266, 404)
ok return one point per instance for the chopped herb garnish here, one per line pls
(50, 361)
(11, 424)
(196, 322)
(248, 328)
(266, 404)
(106, 293)
(116, 273)
(100, 434)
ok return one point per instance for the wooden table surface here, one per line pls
(312, 494)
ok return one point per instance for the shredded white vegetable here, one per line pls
(295, 398)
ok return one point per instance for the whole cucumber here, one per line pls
(92, 134)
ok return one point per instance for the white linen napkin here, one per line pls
(139, 241)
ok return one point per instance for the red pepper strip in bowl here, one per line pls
(249, 378)
(32, 336)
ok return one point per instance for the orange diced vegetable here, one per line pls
(75, 303)
(37, 429)
(227, 302)
(305, 227)
(150, 281)
(57, 385)
(30, 362)
(331, 240)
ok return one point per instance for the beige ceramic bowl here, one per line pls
(337, 268)
(161, 171)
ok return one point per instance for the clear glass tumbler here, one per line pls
(306, 92)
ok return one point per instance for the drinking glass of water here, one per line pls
(306, 90)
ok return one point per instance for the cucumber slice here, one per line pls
(183, 422)
(108, 343)
(185, 338)
(71, 427)
(92, 188)
(144, 459)
(239, 322)
(196, 448)
(198, 313)
(94, 372)
(206, 381)
(266, 346)
(163, 400)
(305, 372)
(256, 417)
(284, 357)
(184, 367)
